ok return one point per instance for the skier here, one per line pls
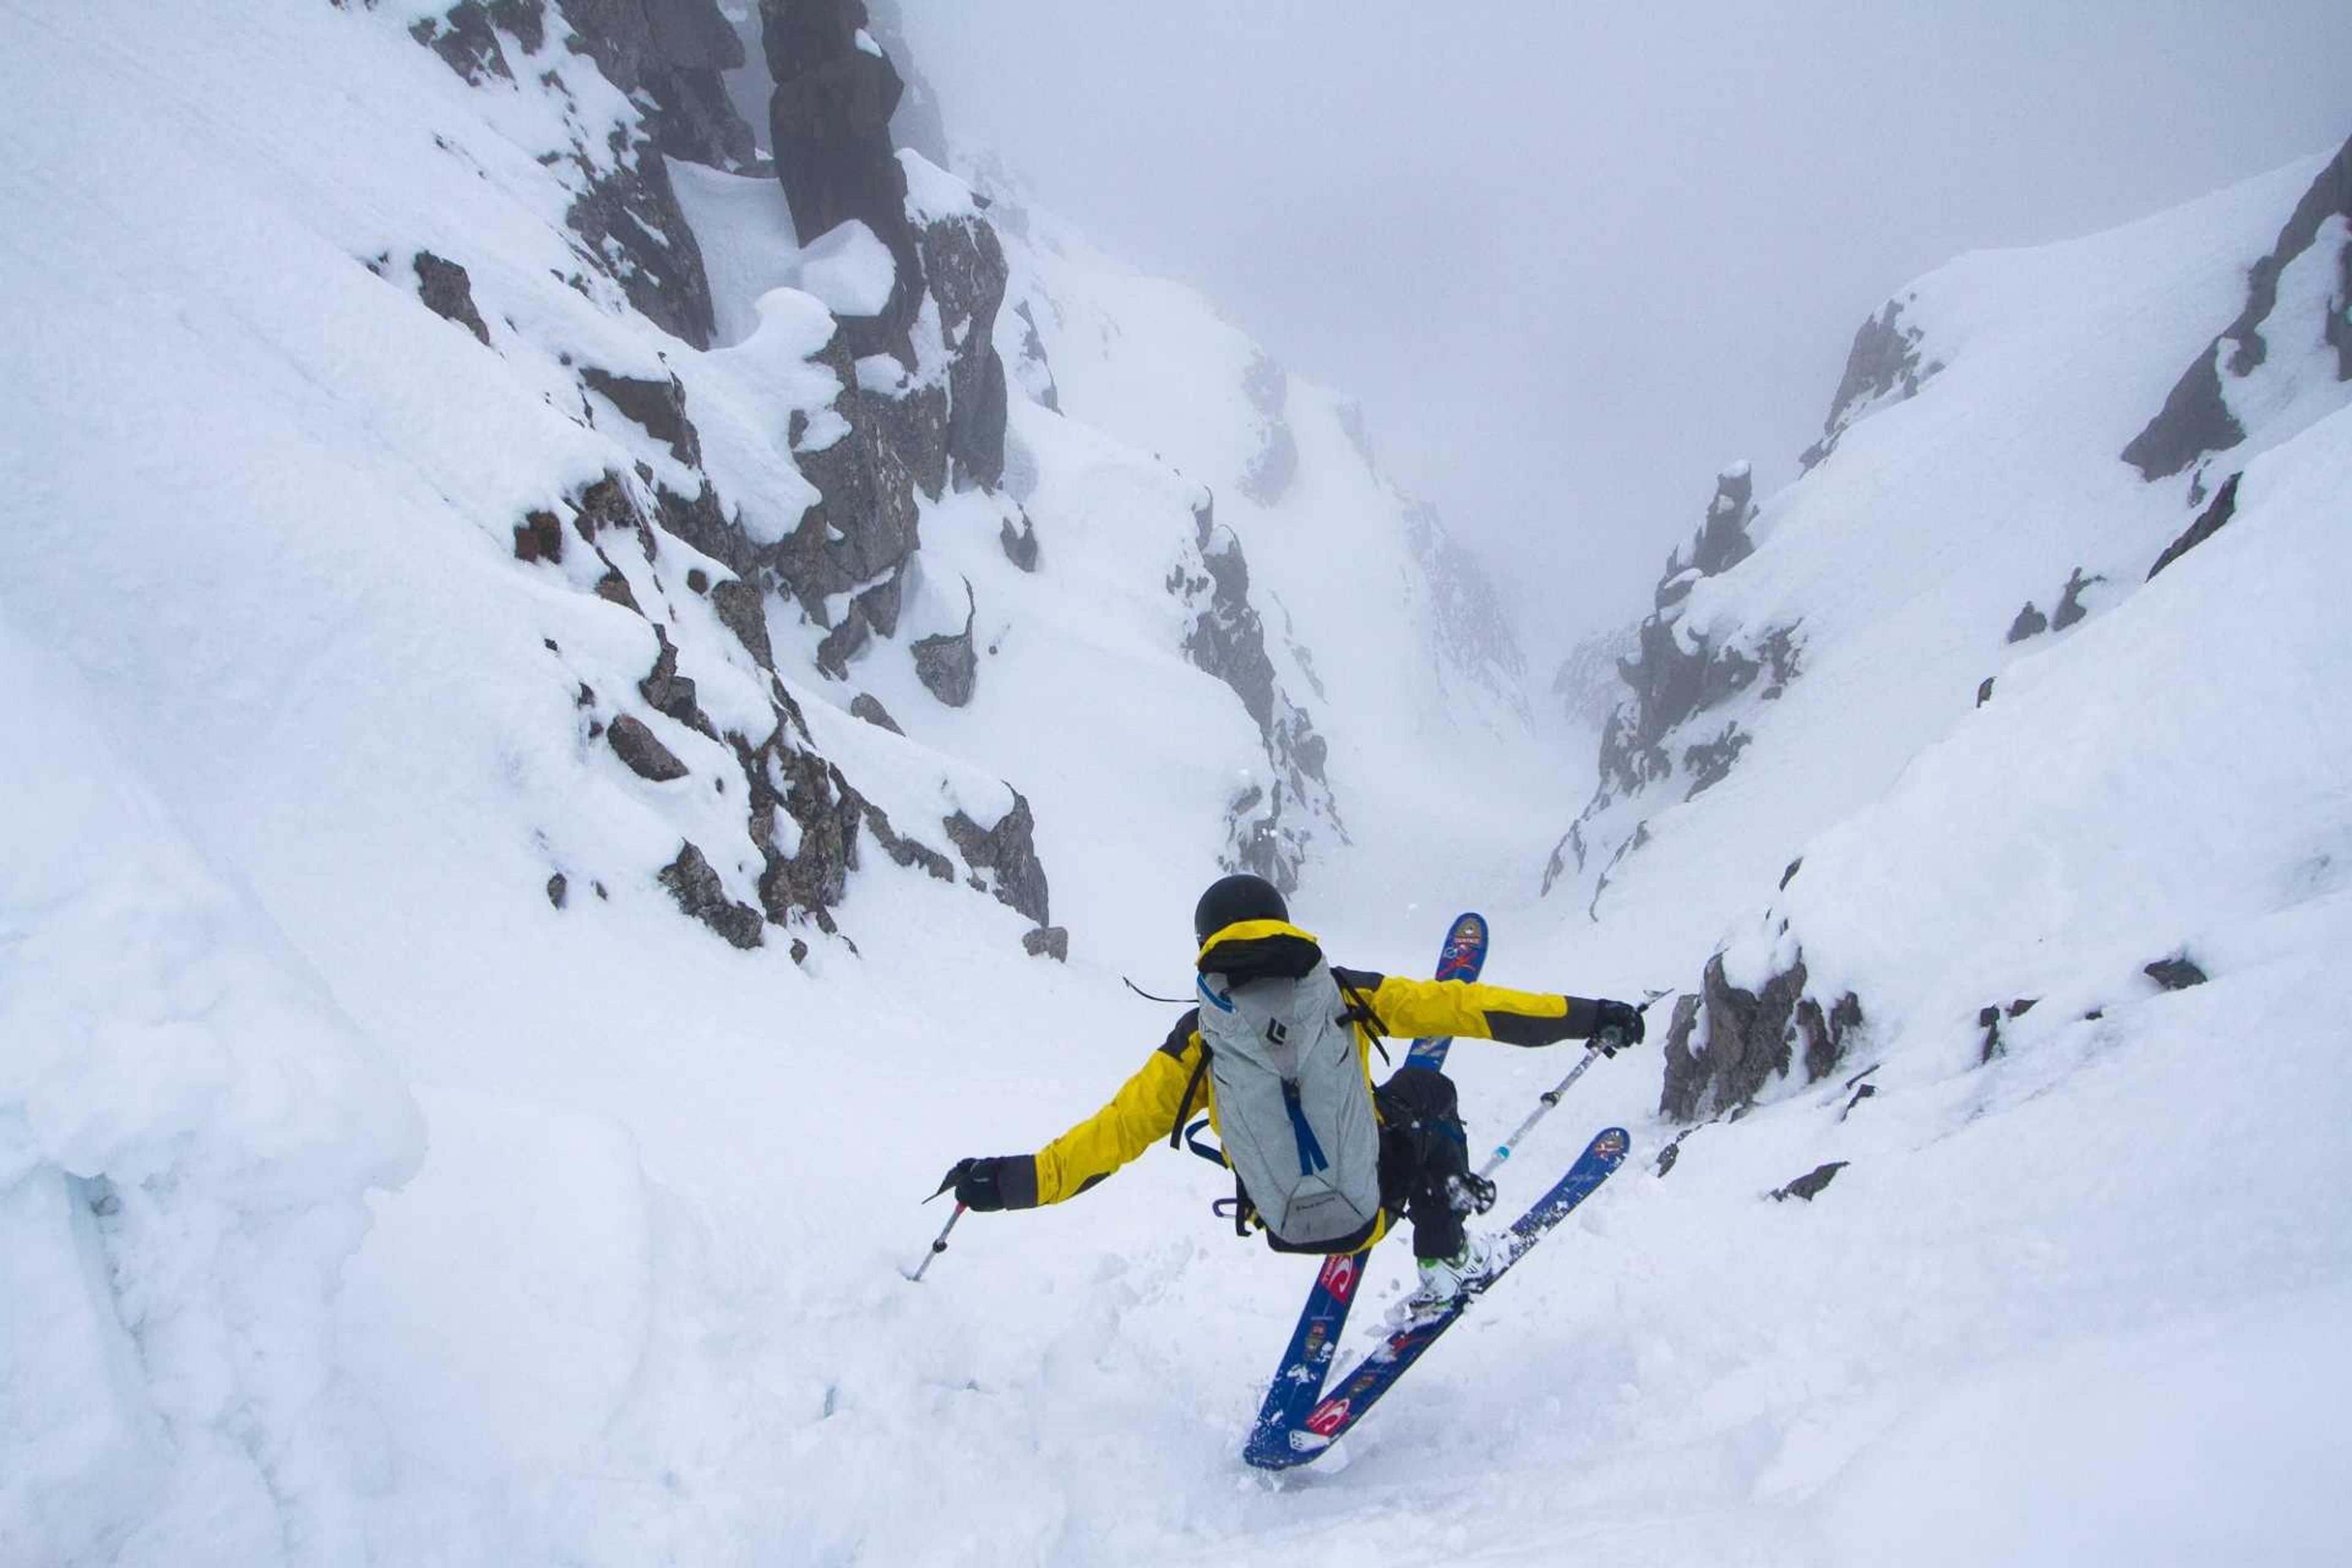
(1279, 1056)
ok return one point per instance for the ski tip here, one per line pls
(1611, 1143)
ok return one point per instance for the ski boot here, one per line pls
(1444, 1281)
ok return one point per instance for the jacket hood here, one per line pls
(1259, 949)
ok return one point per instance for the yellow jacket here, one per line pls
(1150, 1104)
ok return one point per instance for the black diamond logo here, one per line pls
(1275, 1032)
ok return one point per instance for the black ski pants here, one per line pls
(1424, 1158)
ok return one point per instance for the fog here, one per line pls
(1574, 258)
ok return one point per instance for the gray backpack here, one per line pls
(1293, 1107)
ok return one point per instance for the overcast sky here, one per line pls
(1576, 258)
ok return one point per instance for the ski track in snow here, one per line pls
(291, 767)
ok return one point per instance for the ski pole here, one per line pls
(1607, 1040)
(1549, 1097)
(939, 1245)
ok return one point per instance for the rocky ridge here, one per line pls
(1775, 1008)
(903, 405)
(1683, 680)
(2299, 297)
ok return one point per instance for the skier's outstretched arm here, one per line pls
(1439, 1007)
(1140, 1114)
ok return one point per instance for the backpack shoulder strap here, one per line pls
(1187, 1030)
(1359, 1007)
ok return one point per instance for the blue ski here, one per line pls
(1362, 1386)
(1462, 957)
(1298, 1381)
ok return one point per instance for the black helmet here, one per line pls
(1240, 896)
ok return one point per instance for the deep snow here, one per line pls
(292, 764)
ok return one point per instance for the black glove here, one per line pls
(1616, 1025)
(993, 1182)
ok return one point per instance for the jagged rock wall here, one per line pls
(1726, 1044)
(886, 440)
(669, 55)
(672, 55)
(923, 389)
(829, 129)
(2196, 420)
(1269, 825)
(1676, 675)
(1884, 365)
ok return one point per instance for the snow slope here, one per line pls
(363, 1205)
(1900, 563)
(1386, 623)
(262, 522)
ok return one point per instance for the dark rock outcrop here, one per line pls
(465, 40)
(2070, 599)
(614, 589)
(693, 48)
(448, 293)
(965, 265)
(631, 227)
(2223, 507)
(643, 750)
(1883, 364)
(829, 126)
(903, 849)
(1810, 1186)
(1710, 761)
(740, 610)
(2177, 973)
(1020, 547)
(788, 779)
(2030, 623)
(907, 431)
(1722, 542)
(658, 406)
(2195, 420)
(1989, 1019)
(1675, 675)
(627, 217)
(948, 664)
(1009, 849)
(909, 426)
(667, 692)
(1748, 1041)
(1825, 1032)
(865, 526)
(538, 537)
(671, 57)
(1227, 639)
(1048, 941)
(700, 893)
(1268, 828)
(868, 707)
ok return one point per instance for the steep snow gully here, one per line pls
(596, 690)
